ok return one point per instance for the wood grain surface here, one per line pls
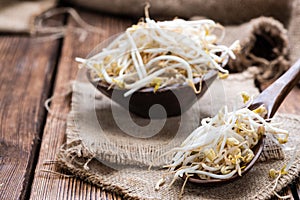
(46, 185)
(30, 139)
(27, 68)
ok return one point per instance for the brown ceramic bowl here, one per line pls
(175, 99)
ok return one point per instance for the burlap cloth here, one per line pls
(100, 151)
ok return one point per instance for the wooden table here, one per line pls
(31, 72)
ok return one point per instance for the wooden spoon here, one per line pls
(271, 98)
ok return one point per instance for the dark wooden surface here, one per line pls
(25, 83)
(32, 71)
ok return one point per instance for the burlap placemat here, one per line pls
(99, 151)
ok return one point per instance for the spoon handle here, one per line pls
(274, 95)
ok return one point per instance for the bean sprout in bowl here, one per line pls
(170, 63)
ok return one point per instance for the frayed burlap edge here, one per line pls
(91, 178)
(74, 151)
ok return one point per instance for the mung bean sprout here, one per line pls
(159, 54)
(222, 146)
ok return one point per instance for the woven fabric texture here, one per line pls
(118, 162)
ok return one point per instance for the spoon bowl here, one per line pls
(257, 149)
(271, 98)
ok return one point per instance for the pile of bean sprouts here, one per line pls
(159, 54)
(222, 145)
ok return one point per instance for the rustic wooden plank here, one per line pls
(27, 67)
(47, 185)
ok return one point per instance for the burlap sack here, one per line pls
(264, 44)
(223, 11)
(274, 38)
